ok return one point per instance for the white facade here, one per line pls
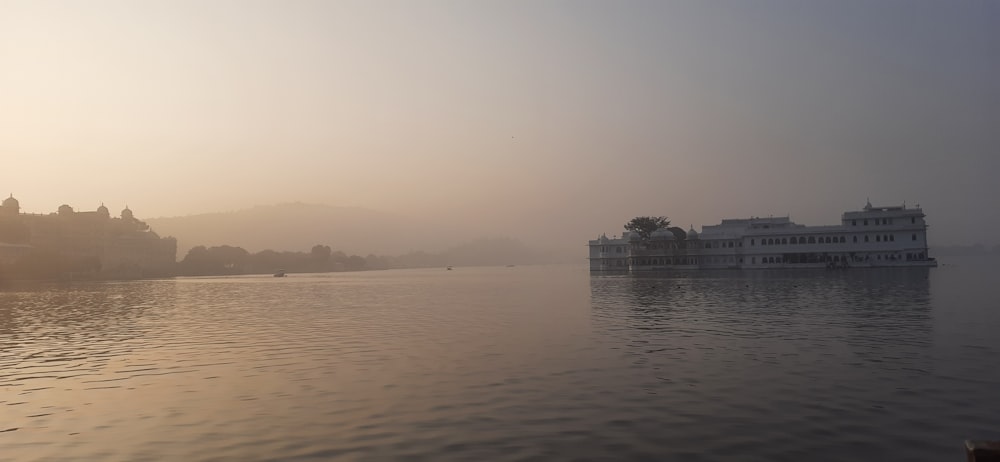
(871, 237)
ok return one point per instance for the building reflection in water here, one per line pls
(761, 334)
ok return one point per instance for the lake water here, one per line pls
(523, 363)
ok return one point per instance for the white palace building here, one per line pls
(872, 237)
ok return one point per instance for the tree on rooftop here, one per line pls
(644, 226)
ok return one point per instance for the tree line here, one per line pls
(226, 260)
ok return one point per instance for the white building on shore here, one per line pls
(872, 237)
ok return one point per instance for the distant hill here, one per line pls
(298, 227)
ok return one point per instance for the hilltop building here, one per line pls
(100, 244)
(872, 237)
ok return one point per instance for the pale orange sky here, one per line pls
(540, 120)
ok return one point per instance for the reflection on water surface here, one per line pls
(536, 363)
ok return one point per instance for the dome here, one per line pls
(634, 237)
(103, 209)
(65, 209)
(11, 202)
(662, 233)
(692, 234)
(127, 214)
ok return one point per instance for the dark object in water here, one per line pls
(982, 451)
(280, 273)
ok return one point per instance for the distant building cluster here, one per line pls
(93, 241)
(872, 237)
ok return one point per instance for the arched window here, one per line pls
(730, 244)
(812, 240)
(828, 240)
(855, 239)
(792, 240)
(753, 260)
(866, 222)
(878, 238)
(843, 239)
(913, 238)
(751, 242)
(885, 238)
(866, 238)
(770, 241)
(892, 237)
(784, 241)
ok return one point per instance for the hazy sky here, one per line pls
(542, 120)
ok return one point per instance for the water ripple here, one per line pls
(543, 363)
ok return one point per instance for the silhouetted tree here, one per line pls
(355, 263)
(320, 255)
(644, 226)
(321, 252)
(678, 233)
(373, 261)
(266, 261)
(231, 258)
(215, 260)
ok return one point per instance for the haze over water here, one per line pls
(524, 363)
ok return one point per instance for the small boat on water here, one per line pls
(448, 268)
(280, 273)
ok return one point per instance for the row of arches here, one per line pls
(665, 261)
(801, 240)
(723, 245)
(794, 258)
